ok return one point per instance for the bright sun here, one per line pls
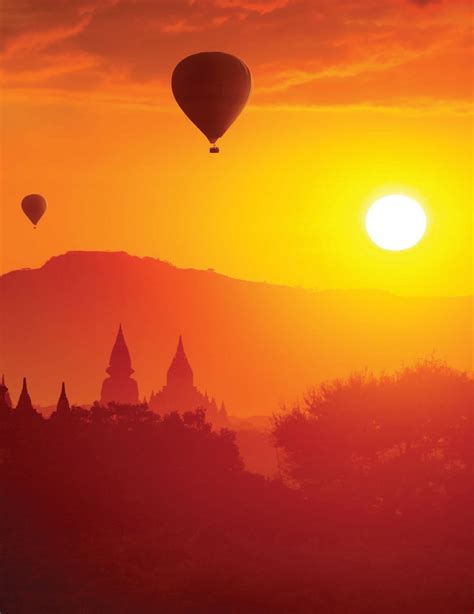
(395, 222)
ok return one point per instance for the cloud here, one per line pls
(425, 2)
(262, 7)
(34, 42)
(300, 51)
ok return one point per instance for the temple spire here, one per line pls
(4, 405)
(6, 396)
(24, 404)
(180, 373)
(180, 394)
(120, 364)
(119, 387)
(63, 402)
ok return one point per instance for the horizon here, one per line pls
(249, 322)
(221, 273)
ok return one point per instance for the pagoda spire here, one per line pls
(24, 404)
(119, 387)
(63, 406)
(180, 372)
(180, 394)
(4, 405)
(6, 398)
(120, 364)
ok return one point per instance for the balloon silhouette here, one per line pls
(34, 206)
(211, 88)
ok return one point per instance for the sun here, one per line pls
(395, 222)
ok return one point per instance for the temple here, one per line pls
(6, 398)
(180, 394)
(119, 387)
(63, 407)
(24, 405)
(5, 403)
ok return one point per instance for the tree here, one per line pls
(398, 441)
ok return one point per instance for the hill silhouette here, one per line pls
(255, 345)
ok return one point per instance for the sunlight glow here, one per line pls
(395, 222)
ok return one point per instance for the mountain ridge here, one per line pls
(153, 259)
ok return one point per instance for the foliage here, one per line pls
(120, 510)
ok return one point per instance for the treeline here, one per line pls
(121, 510)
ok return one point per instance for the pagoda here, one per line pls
(119, 387)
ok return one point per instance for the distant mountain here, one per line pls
(255, 345)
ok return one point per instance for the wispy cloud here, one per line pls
(301, 52)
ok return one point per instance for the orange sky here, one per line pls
(351, 100)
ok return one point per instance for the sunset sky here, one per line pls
(351, 100)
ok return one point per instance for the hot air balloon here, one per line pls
(211, 88)
(34, 205)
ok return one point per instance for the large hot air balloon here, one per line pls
(211, 88)
(34, 205)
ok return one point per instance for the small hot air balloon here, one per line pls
(34, 206)
(211, 88)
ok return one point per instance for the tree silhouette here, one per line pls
(412, 427)
(118, 509)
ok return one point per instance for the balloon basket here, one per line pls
(214, 149)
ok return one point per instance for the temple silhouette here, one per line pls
(63, 407)
(119, 387)
(24, 406)
(4, 394)
(5, 401)
(180, 394)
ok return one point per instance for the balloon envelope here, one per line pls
(34, 205)
(211, 88)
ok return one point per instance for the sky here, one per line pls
(351, 100)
